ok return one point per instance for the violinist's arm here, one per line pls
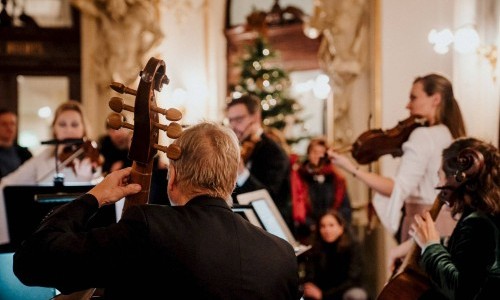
(380, 184)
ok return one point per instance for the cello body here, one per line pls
(409, 284)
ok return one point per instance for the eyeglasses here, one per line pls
(238, 119)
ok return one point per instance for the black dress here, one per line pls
(335, 271)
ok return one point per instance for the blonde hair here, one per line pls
(209, 161)
(75, 106)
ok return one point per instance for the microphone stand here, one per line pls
(58, 176)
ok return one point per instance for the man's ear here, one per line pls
(171, 177)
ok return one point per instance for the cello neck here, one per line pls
(413, 256)
(141, 174)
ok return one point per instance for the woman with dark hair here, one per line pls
(460, 269)
(334, 265)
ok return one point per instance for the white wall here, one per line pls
(476, 88)
(407, 54)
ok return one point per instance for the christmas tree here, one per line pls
(260, 75)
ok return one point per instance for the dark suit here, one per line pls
(269, 169)
(198, 251)
(112, 154)
(21, 154)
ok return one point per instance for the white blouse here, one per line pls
(40, 170)
(417, 175)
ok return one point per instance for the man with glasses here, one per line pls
(265, 164)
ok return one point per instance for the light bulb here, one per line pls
(466, 40)
(441, 40)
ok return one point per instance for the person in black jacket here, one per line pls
(198, 248)
(334, 265)
(11, 154)
(114, 148)
(265, 163)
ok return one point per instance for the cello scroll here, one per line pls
(146, 127)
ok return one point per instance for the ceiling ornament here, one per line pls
(259, 20)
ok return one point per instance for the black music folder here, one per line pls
(27, 205)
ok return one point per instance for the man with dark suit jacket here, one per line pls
(11, 154)
(195, 249)
(265, 163)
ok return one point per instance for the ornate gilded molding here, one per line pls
(343, 53)
(128, 30)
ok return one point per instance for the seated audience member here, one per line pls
(198, 248)
(11, 154)
(265, 164)
(463, 269)
(114, 148)
(334, 266)
(69, 123)
(317, 186)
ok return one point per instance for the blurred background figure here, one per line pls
(114, 148)
(265, 164)
(334, 265)
(317, 186)
(11, 154)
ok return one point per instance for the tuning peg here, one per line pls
(115, 121)
(117, 104)
(121, 88)
(171, 114)
(173, 130)
(173, 151)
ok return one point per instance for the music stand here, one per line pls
(27, 205)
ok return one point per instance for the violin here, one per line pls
(374, 143)
(247, 147)
(88, 149)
